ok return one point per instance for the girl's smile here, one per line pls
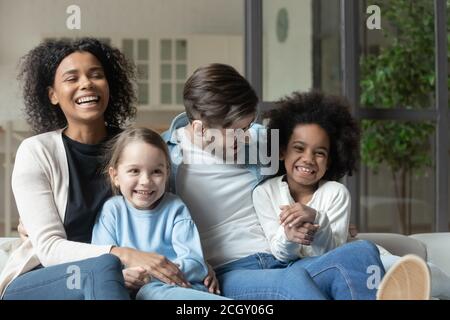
(306, 157)
(141, 174)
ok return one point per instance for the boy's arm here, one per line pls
(281, 247)
(186, 244)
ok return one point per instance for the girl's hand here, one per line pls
(135, 277)
(296, 215)
(155, 264)
(211, 281)
(302, 235)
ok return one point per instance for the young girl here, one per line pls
(304, 211)
(145, 217)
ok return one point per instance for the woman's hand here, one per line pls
(296, 215)
(303, 234)
(211, 281)
(155, 265)
(22, 232)
(135, 277)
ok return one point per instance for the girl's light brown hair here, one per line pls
(115, 147)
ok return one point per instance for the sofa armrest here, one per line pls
(438, 248)
(396, 244)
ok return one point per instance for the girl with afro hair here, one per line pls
(309, 209)
(305, 211)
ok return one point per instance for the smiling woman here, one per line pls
(86, 65)
(81, 90)
(77, 95)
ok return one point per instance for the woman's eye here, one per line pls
(158, 171)
(71, 79)
(97, 75)
(133, 171)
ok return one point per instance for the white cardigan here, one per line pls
(332, 204)
(40, 183)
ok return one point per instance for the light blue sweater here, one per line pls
(168, 230)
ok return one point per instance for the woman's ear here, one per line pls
(52, 96)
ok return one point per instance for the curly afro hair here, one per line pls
(331, 113)
(37, 73)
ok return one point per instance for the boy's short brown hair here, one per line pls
(218, 95)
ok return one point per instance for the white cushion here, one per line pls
(7, 245)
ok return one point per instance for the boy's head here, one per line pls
(218, 96)
(302, 119)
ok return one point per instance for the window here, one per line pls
(138, 51)
(173, 70)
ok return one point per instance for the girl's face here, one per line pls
(306, 155)
(80, 88)
(141, 174)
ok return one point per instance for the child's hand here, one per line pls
(296, 215)
(211, 281)
(135, 277)
(302, 235)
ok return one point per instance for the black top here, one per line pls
(88, 188)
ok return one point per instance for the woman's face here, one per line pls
(80, 89)
(307, 155)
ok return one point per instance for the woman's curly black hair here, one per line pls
(332, 113)
(37, 73)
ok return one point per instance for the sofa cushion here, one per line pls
(396, 244)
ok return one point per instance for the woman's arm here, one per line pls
(155, 264)
(35, 199)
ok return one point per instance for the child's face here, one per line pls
(141, 174)
(80, 88)
(306, 155)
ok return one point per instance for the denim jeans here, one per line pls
(157, 290)
(340, 274)
(97, 278)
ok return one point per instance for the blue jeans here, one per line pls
(157, 290)
(340, 274)
(95, 278)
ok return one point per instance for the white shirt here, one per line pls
(332, 203)
(219, 197)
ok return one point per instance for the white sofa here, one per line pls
(432, 247)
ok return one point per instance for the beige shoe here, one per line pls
(407, 279)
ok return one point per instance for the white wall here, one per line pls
(24, 23)
(216, 28)
(287, 66)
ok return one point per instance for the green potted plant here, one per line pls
(401, 75)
